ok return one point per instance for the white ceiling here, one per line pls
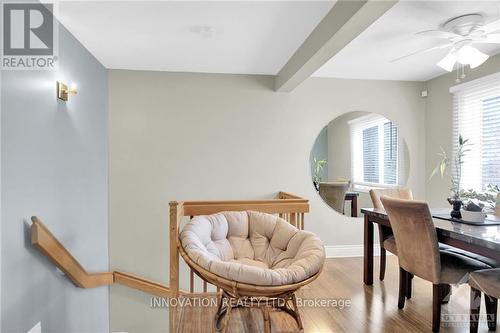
(250, 37)
(393, 35)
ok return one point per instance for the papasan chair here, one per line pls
(256, 259)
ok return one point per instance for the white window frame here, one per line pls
(357, 126)
(485, 87)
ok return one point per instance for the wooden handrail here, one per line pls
(45, 242)
(286, 195)
(284, 203)
(145, 285)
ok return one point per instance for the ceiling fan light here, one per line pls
(471, 56)
(448, 62)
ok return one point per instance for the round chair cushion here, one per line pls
(253, 248)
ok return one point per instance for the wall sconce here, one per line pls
(63, 91)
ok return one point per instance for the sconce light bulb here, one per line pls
(63, 91)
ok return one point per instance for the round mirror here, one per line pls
(354, 153)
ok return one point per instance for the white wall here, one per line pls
(54, 164)
(181, 136)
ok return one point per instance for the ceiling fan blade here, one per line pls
(492, 27)
(448, 62)
(423, 51)
(438, 34)
(489, 39)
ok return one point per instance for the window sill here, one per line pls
(365, 188)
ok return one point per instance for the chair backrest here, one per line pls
(334, 194)
(401, 193)
(416, 237)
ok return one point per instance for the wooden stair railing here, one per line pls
(43, 240)
(288, 206)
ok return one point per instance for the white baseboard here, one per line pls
(341, 251)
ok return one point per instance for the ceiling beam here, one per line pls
(344, 22)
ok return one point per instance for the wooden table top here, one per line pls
(480, 235)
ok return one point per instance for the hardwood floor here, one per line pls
(373, 309)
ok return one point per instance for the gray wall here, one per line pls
(1, 186)
(438, 125)
(320, 152)
(187, 136)
(54, 165)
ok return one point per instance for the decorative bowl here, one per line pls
(469, 216)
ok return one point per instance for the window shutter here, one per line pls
(490, 154)
(390, 153)
(370, 155)
(476, 116)
(375, 150)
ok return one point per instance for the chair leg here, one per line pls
(446, 293)
(382, 263)
(408, 286)
(220, 313)
(297, 313)
(436, 307)
(475, 306)
(227, 318)
(403, 279)
(267, 319)
(491, 311)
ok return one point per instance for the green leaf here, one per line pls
(435, 171)
(442, 168)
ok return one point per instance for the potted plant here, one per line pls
(318, 168)
(488, 198)
(452, 168)
(472, 211)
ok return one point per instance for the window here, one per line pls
(476, 116)
(374, 153)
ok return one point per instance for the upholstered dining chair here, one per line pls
(419, 253)
(487, 282)
(333, 193)
(386, 238)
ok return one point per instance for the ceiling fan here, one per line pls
(461, 34)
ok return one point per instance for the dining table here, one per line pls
(482, 239)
